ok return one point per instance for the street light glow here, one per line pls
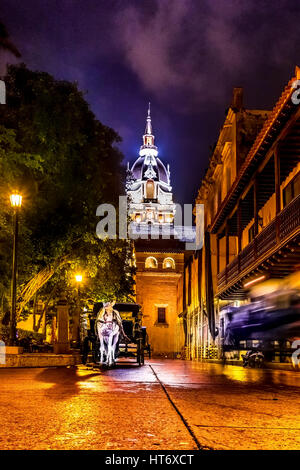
(78, 277)
(16, 200)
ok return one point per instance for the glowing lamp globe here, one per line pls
(15, 200)
(78, 278)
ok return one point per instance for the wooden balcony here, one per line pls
(274, 251)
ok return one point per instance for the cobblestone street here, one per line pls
(163, 405)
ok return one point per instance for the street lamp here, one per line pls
(76, 318)
(16, 203)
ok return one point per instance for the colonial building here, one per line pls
(159, 260)
(252, 217)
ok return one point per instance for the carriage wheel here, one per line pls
(141, 357)
(140, 354)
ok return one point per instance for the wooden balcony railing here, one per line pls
(286, 222)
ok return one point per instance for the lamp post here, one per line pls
(16, 203)
(76, 318)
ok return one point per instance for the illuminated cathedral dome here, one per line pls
(142, 169)
(148, 183)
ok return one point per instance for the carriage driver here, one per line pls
(109, 312)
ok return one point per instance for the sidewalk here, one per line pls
(64, 360)
(41, 360)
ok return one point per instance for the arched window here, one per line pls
(150, 189)
(149, 140)
(169, 263)
(151, 262)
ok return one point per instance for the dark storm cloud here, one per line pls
(183, 55)
(188, 51)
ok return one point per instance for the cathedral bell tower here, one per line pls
(159, 260)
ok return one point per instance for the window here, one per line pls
(169, 263)
(149, 140)
(251, 233)
(161, 314)
(151, 262)
(149, 215)
(169, 218)
(150, 189)
(292, 190)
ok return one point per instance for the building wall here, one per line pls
(34, 319)
(160, 288)
(27, 325)
(199, 342)
(235, 139)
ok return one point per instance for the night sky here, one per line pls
(184, 56)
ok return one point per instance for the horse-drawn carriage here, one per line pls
(116, 331)
(136, 333)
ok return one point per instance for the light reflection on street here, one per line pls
(126, 407)
(240, 374)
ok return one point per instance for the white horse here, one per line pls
(108, 327)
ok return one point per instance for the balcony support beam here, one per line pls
(218, 253)
(239, 226)
(227, 243)
(255, 205)
(277, 190)
(277, 180)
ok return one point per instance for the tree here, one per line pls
(65, 163)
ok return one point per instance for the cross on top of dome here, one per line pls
(148, 129)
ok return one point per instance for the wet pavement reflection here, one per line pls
(197, 372)
(130, 407)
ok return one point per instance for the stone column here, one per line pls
(63, 344)
(76, 322)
